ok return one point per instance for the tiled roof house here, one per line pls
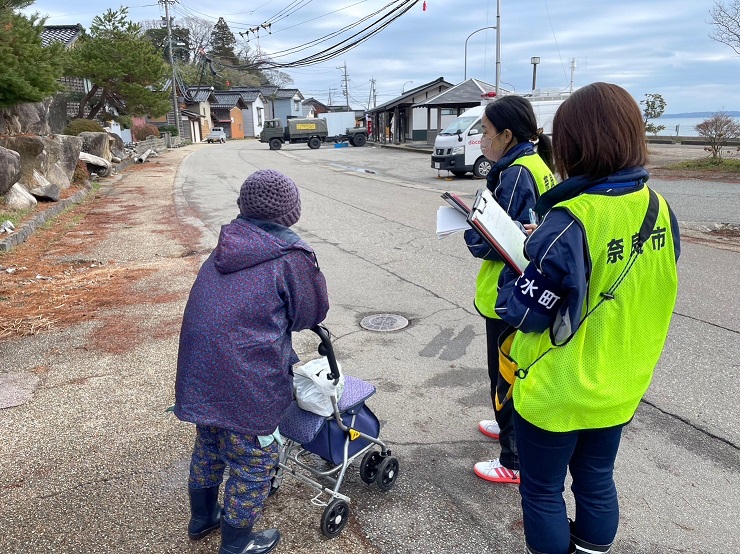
(226, 111)
(75, 87)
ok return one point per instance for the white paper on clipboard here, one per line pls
(497, 228)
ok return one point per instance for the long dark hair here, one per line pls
(516, 114)
(598, 130)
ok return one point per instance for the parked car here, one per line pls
(217, 134)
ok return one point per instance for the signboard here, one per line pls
(306, 126)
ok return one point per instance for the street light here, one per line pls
(404, 85)
(535, 60)
(498, 46)
(466, 48)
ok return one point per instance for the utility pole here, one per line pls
(345, 78)
(498, 46)
(572, 71)
(175, 104)
(372, 89)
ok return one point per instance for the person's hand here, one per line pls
(529, 228)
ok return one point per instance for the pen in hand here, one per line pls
(532, 217)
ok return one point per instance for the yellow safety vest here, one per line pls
(486, 285)
(597, 379)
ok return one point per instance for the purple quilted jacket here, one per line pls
(234, 364)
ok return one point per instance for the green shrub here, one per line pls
(140, 133)
(171, 129)
(77, 126)
(124, 121)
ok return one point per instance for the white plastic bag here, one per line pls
(313, 388)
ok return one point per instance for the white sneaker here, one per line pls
(490, 428)
(492, 470)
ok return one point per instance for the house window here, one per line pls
(297, 105)
(259, 116)
(448, 111)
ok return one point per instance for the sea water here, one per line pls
(686, 126)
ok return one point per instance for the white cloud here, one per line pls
(660, 46)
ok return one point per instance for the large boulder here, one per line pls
(45, 190)
(40, 156)
(18, 198)
(97, 144)
(117, 147)
(26, 118)
(70, 153)
(10, 169)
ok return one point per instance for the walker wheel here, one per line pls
(369, 466)
(387, 473)
(334, 518)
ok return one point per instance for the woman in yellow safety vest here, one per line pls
(522, 157)
(593, 310)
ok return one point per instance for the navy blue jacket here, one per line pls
(557, 247)
(515, 191)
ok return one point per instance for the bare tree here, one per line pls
(725, 18)
(200, 34)
(718, 130)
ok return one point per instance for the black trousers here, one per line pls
(505, 416)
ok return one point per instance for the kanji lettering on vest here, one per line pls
(528, 287)
(659, 238)
(615, 251)
(548, 299)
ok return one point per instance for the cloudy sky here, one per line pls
(646, 46)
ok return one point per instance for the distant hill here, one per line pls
(699, 114)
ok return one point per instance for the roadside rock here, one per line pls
(26, 118)
(10, 169)
(97, 144)
(70, 153)
(48, 192)
(97, 165)
(18, 198)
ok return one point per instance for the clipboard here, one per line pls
(496, 227)
(455, 201)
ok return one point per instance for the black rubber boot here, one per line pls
(582, 547)
(235, 540)
(205, 513)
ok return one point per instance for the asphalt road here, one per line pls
(90, 462)
(370, 214)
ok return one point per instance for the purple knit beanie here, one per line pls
(270, 196)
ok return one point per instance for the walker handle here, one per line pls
(326, 349)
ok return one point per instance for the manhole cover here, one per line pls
(384, 322)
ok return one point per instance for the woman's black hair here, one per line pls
(516, 114)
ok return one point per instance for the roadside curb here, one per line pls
(30, 226)
(421, 150)
(20, 236)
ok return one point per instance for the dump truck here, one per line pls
(311, 131)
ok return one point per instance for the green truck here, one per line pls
(312, 131)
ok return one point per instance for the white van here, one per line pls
(457, 147)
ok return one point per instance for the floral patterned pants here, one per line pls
(251, 467)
